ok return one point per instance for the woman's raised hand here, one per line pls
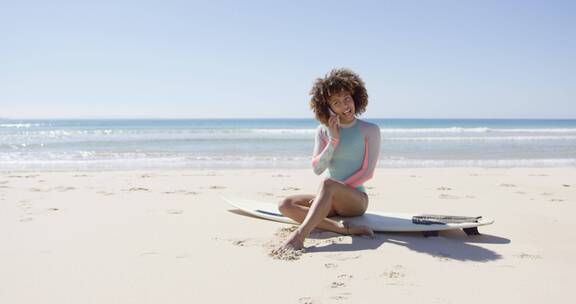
(333, 126)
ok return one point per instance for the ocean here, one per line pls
(134, 144)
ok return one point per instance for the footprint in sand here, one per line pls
(266, 193)
(290, 189)
(341, 296)
(134, 189)
(528, 256)
(216, 187)
(444, 188)
(80, 175)
(246, 242)
(175, 211)
(105, 193)
(470, 196)
(396, 272)
(341, 282)
(330, 265)
(393, 274)
(181, 192)
(203, 174)
(344, 256)
(25, 204)
(23, 176)
(337, 284)
(556, 200)
(546, 194)
(43, 211)
(565, 185)
(280, 175)
(307, 300)
(520, 192)
(240, 243)
(508, 185)
(63, 188)
(26, 219)
(448, 196)
(443, 256)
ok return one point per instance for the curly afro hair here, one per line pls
(336, 81)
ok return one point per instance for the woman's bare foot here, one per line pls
(358, 230)
(294, 242)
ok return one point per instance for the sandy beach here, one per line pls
(168, 237)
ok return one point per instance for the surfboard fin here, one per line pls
(471, 231)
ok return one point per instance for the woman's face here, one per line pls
(342, 105)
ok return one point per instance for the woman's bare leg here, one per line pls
(297, 207)
(333, 198)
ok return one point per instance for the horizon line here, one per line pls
(270, 118)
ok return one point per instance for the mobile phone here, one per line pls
(334, 114)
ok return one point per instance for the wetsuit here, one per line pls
(352, 157)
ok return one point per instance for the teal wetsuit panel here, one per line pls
(346, 160)
(352, 157)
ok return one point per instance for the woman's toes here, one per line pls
(369, 232)
(292, 243)
(361, 230)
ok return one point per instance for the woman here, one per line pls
(346, 148)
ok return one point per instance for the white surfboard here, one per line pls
(377, 221)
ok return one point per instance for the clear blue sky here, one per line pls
(256, 59)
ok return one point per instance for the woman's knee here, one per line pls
(285, 204)
(328, 185)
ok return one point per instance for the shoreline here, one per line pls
(296, 168)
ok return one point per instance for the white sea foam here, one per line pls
(484, 163)
(19, 125)
(482, 138)
(283, 131)
(417, 130)
(90, 160)
(425, 134)
(475, 130)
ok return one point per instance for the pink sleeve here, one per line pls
(371, 155)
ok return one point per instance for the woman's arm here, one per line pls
(324, 147)
(371, 155)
